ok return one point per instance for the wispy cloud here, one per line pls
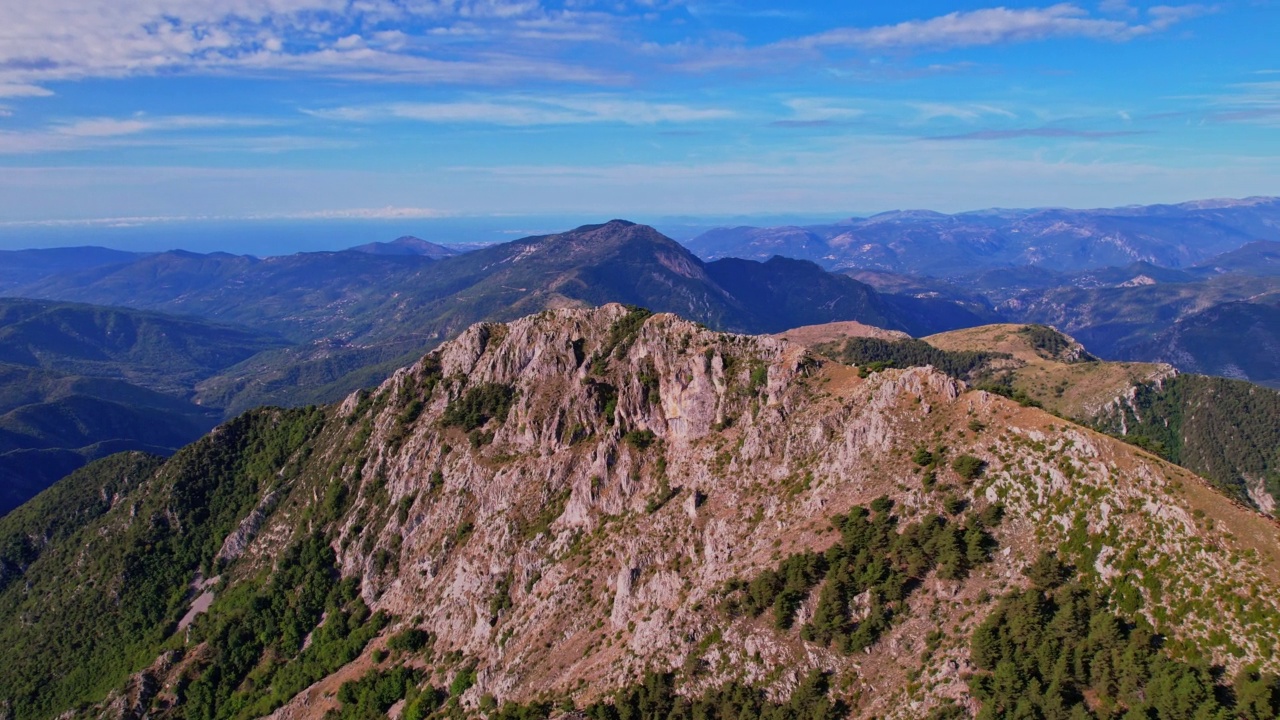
(1256, 116)
(474, 41)
(528, 111)
(1046, 132)
(189, 132)
(18, 90)
(116, 127)
(1252, 102)
(958, 111)
(385, 213)
(960, 29)
(996, 26)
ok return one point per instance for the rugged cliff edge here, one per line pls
(559, 507)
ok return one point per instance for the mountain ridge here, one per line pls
(560, 503)
(931, 243)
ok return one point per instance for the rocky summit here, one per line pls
(611, 514)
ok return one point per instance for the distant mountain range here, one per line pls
(236, 332)
(347, 311)
(930, 243)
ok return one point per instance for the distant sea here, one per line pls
(282, 237)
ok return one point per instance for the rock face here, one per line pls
(562, 501)
(764, 442)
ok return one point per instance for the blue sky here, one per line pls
(415, 109)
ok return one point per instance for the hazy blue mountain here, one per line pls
(23, 267)
(164, 352)
(301, 296)
(930, 243)
(355, 316)
(52, 423)
(1122, 322)
(1239, 339)
(78, 382)
(1256, 258)
(407, 245)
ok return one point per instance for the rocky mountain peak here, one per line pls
(562, 506)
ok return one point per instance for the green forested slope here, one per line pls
(92, 588)
(1226, 430)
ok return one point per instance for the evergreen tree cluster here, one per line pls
(1057, 652)
(258, 661)
(654, 698)
(862, 351)
(876, 563)
(1225, 430)
(63, 643)
(478, 405)
(372, 695)
(1049, 343)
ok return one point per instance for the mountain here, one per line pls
(947, 246)
(606, 513)
(302, 296)
(354, 317)
(1224, 430)
(41, 442)
(163, 352)
(407, 245)
(19, 268)
(79, 382)
(1239, 339)
(1118, 321)
(1257, 258)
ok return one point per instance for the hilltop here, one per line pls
(1225, 430)
(543, 512)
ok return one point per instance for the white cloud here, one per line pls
(994, 26)
(54, 40)
(968, 111)
(115, 127)
(822, 110)
(1117, 7)
(13, 90)
(527, 111)
(385, 213)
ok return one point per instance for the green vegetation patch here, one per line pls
(876, 562)
(622, 335)
(1051, 344)
(1224, 430)
(374, 693)
(478, 405)
(256, 635)
(656, 698)
(879, 354)
(65, 643)
(1056, 650)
